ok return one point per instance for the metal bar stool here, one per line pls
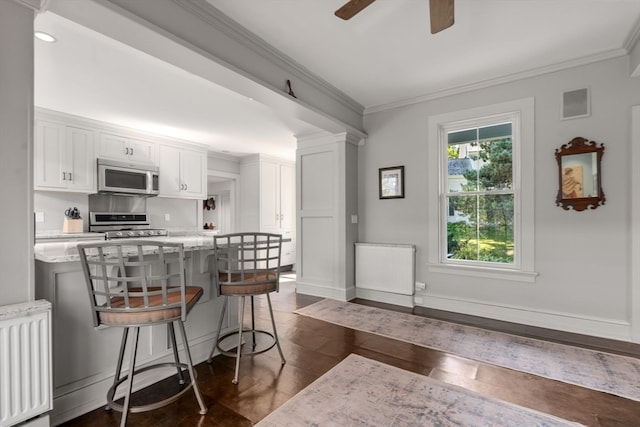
(141, 283)
(247, 265)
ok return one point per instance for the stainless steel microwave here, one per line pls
(127, 178)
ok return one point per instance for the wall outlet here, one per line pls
(167, 217)
(421, 286)
(417, 300)
(39, 216)
(354, 219)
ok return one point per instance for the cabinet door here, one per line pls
(269, 196)
(49, 155)
(80, 159)
(112, 146)
(193, 172)
(169, 164)
(287, 197)
(141, 151)
(125, 149)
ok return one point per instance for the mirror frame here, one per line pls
(580, 146)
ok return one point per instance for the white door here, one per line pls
(80, 159)
(269, 196)
(49, 155)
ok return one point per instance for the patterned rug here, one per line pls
(596, 370)
(363, 392)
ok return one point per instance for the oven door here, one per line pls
(126, 179)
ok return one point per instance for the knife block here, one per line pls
(72, 225)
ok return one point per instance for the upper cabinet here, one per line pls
(183, 172)
(64, 157)
(66, 149)
(123, 148)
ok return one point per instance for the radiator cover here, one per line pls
(25, 361)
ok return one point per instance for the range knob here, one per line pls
(141, 233)
(119, 233)
(131, 233)
(151, 233)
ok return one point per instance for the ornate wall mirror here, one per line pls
(579, 175)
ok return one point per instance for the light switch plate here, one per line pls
(39, 216)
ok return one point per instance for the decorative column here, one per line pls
(16, 149)
(327, 209)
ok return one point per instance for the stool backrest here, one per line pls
(127, 276)
(250, 260)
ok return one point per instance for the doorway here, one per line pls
(221, 214)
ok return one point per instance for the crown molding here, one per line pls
(633, 38)
(213, 16)
(37, 5)
(483, 84)
(350, 138)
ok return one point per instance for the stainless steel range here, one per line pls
(120, 225)
(121, 216)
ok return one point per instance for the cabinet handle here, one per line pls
(126, 151)
(281, 217)
(131, 153)
(64, 176)
(70, 176)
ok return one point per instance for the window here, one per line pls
(482, 223)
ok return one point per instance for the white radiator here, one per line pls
(25, 361)
(385, 272)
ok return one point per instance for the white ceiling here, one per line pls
(383, 56)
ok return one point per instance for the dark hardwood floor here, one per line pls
(312, 347)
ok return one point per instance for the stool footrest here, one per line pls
(154, 405)
(247, 343)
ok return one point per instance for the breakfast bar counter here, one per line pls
(84, 356)
(66, 251)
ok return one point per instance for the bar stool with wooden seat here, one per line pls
(247, 265)
(141, 283)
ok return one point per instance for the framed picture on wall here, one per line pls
(391, 182)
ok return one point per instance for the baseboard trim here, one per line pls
(603, 328)
(386, 297)
(325, 291)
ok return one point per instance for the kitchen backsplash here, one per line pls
(51, 205)
(172, 214)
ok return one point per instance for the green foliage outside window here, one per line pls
(483, 228)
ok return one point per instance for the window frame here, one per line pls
(521, 114)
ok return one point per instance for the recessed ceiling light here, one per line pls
(45, 37)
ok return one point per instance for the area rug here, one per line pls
(363, 392)
(596, 370)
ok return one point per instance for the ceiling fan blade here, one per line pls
(352, 8)
(441, 13)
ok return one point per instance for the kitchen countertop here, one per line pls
(53, 252)
(47, 236)
(24, 308)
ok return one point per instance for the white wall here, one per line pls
(16, 151)
(581, 257)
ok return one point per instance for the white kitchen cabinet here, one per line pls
(183, 172)
(64, 157)
(118, 147)
(267, 199)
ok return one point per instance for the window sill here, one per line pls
(484, 272)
